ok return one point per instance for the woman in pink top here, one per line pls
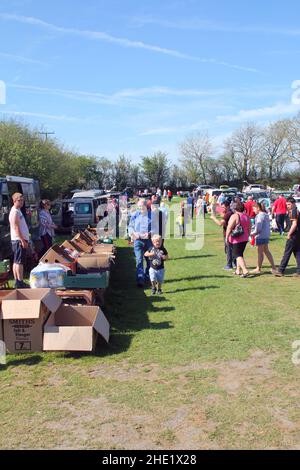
(239, 242)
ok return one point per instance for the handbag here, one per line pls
(238, 230)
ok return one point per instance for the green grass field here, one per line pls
(206, 365)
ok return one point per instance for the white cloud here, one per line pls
(21, 59)
(123, 42)
(267, 112)
(42, 116)
(214, 26)
(134, 95)
(161, 91)
(176, 129)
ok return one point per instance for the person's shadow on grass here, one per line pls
(126, 308)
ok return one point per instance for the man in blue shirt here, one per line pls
(190, 205)
(139, 230)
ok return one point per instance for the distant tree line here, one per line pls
(269, 154)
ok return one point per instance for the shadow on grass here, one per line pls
(23, 361)
(126, 308)
(191, 288)
(194, 278)
(191, 257)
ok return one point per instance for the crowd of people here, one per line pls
(241, 223)
(250, 222)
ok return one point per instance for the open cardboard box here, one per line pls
(70, 245)
(75, 328)
(104, 249)
(93, 262)
(57, 254)
(24, 312)
(3, 294)
(82, 245)
(81, 237)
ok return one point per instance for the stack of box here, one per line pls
(93, 264)
(34, 320)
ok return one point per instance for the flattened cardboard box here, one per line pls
(24, 313)
(75, 328)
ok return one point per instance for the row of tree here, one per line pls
(252, 153)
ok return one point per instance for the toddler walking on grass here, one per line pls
(157, 255)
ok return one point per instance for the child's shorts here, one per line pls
(157, 275)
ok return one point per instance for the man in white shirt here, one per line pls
(19, 235)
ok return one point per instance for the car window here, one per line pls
(83, 208)
(55, 209)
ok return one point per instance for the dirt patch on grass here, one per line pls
(194, 412)
(234, 375)
(100, 424)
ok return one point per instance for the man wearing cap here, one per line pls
(293, 239)
(19, 235)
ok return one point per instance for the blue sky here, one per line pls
(131, 77)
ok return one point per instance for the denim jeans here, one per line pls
(280, 219)
(140, 247)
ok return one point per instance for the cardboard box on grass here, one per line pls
(24, 312)
(56, 254)
(75, 328)
(3, 294)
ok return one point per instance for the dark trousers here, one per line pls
(231, 261)
(280, 218)
(291, 246)
(47, 243)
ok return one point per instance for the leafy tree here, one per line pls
(197, 150)
(156, 169)
(275, 147)
(122, 172)
(243, 148)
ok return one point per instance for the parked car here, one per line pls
(260, 196)
(297, 199)
(62, 212)
(80, 212)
